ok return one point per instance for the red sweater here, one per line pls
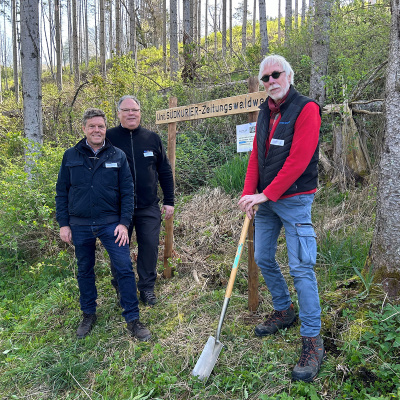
(305, 141)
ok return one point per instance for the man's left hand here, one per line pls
(121, 232)
(168, 210)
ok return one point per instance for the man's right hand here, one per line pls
(65, 234)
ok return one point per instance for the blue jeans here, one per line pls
(294, 213)
(84, 239)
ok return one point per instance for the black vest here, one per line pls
(268, 167)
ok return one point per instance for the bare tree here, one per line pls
(188, 72)
(215, 28)
(288, 21)
(279, 22)
(132, 28)
(102, 38)
(15, 49)
(57, 18)
(320, 49)
(75, 49)
(173, 38)
(244, 26)
(253, 39)
(223, 28)
(303, 11)
(31, 76)
(384, 257)
(164, 36)
(230, 28)
(263, 28)
(118, 27)
(206, 26)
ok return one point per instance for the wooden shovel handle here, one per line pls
(239, 252)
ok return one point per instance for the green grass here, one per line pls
(40, 357)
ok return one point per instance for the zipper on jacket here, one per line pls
(134, 173)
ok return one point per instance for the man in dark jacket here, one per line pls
(283, 168)
(95, 200)
(149, 166)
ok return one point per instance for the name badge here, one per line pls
(111, 165)
(278, 142)
(148, 153)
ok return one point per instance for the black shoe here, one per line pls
(138, 330)
(311, 359)
(277, 320)
(86, 325)
(148, 297)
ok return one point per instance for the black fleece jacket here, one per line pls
(148, 163)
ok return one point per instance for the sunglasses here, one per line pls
(275, 75)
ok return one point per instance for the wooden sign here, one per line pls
(215, 108)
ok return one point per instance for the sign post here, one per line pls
(246, 103)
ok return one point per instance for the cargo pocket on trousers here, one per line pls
(307, 244)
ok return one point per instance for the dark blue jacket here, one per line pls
(94, 190)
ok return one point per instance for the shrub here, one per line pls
(27, 206)
(230, 176)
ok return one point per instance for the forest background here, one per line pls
(341, 53)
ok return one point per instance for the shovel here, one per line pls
(213, 347)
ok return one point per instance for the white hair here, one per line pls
(276, 59)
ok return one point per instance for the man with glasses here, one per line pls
(149, 166)
(95, 200)
(282, 178)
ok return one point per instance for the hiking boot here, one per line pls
(148, 297)
(277, 320)
(86, 325)
(311, 359)
(138, 330)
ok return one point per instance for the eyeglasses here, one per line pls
(126, 110)
(275, 75)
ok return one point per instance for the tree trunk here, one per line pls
(263, 28)
(132, 29)
(253, 39)
(244, 26)
(57, 17)
(15, 50)
(70, 40)
(164, 38)
(31, 76)
(188, 72)
(199, 29)
(223, 28)
(102, 38)
(385, 250)
(75, 43)
(303, 11)
(288, 21)
(206, 27)
(296, 13)
(174, 38)
(230, 29)
(279, 23)
(117, 27)
(320, 50)
(215, 28)
(110, 29)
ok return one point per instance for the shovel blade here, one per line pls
(208, 359)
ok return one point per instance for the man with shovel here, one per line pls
(283, 168)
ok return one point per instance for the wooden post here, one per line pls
(169, 223)
(252, 266)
